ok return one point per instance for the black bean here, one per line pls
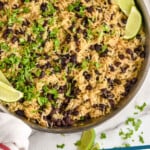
(68, 38)
(79, 30)
(124, 20)
(25, 23)
(73, 58)
(14, 39)
(43, 7)
(21, 100)
(117, 63)
(138, 36)
(86, 75)
(129, 51)
(106, 94)
(62, 89)
(97, 72)
(50, 97)
(75, 112)
(112, 103)
(110, 82)
(133, 81)
(142, 54)
(111, 67)
(124, 68)
(121, 56)
(90, 9)
(1, 5)
(89, 87)
(117, 81)
(92, 47)
(76, 39)
(20, 113)
(42, 74)
(98, 47)
(138, 50)
(102, 107)
(85, 34)
(6, 33)
(85, 21)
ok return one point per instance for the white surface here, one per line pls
(47, 141)
(18, 139)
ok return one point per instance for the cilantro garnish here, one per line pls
(61, 146)
(103, 136)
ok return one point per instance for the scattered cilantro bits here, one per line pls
(61, 146)
(103, 136)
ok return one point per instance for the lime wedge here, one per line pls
(3, 79)
(96, 147)
(87, 140)
(126, 5)
(8, 93)
(134, 23)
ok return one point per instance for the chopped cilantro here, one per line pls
(42, 101)
(84, 64)
(54, 92)
(53, 33)
(135, 123)
(49, 11)
(126, 135)
(77, 143)
(61, 146)
(141, 139)
(141, 108)
(4, 47)
(103, 136)
(56, 44)
(77, 7)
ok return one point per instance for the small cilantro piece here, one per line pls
(53, 33)
(126, 135)
(141, 108)
(77, 8)
(56, 44)
(84, 64)
(4, 46)
(135, 123)
(54, 92)
(42, 101)
(61, 146)
(25, 10)
(126, 145)
(103, 136)
(77, 143)
(141, 139)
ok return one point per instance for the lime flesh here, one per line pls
(134, 23)
(126, 5)
(3, 79)
(8, 93)
(87, 140)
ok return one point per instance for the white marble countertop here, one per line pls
(48, 141)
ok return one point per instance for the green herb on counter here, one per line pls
(141, 139)
(103, 136)
(61, 146)
(141, 108)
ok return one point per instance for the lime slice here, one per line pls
(3, 79)
(134, 23)
(87, 140)
(126, 5)
(96, 147)
(8, 93)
